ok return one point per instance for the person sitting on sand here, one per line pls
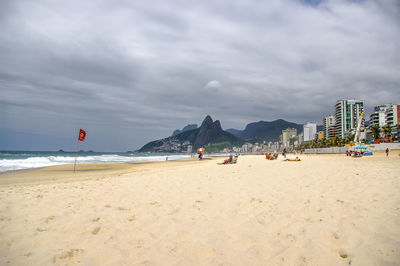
(230, 160)
(270, 156)
(292, 160)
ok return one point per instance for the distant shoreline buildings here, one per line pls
(342, 124)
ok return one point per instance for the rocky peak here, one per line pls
(216, 126)
(207, 122)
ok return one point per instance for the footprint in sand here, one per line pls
(336, 236)
(70, 257)
(132, 218)
(343, 254)
(96, 230)
(50, 218)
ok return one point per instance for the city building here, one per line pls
(378, 117)
(294, 142)
(330, 126)
(301, 138)
(347, 113)
(393, 115)
(287, 134)
(385, 115)
(309, 131)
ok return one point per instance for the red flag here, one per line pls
(82, 135)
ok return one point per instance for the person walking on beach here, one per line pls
(387, 152)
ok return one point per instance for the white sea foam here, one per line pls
(35, 162)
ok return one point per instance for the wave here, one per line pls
(35, 162)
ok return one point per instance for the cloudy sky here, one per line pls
(133, 71)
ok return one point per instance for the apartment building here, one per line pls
(347, 113)
(329, 126)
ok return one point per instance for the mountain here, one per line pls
(186, 128)
(209, 132)
(264, 130)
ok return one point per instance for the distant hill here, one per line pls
(186, 128)
(209, 132)
(264, 130)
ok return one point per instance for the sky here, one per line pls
(129, 72)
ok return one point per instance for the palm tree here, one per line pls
(330, 142)
(349, 138)
(335, 141)
(387, 130)
(376, 131)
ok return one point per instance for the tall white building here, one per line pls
(330, 126)
(347, 113)
(387, 114)
(309, 131)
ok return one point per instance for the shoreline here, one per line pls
(87, 171)
(84, 171)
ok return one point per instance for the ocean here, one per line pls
(15, 160)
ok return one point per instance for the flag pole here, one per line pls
(76, 153)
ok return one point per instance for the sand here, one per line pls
(324, 210)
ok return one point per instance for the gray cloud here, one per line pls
(133, 71)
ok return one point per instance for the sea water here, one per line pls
(15, 160)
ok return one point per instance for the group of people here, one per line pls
(354, 153)
(270, 156)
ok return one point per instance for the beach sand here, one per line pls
(324, 210)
